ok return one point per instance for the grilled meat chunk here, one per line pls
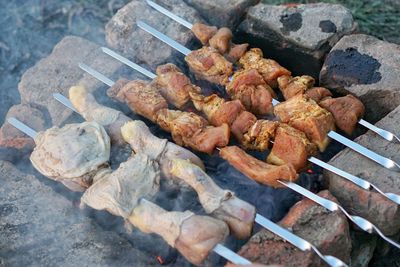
(291, 146)
(237, 51)
(292, 86)
(346, 110)
(259, 135)
(268, 68)
(72, 154)
(258, 170)
(204, 32)
(221, 40)
(318, 93)
(305, 115)
(242, 124)
(192, 235)
(249, 87)
(207, 64)
(222, 204)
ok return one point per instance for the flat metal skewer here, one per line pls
(381, 132)
(356, 180)
(383, 161)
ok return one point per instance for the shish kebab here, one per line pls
(356, 180)
(84, 103)
(328, 204)
(211, 32)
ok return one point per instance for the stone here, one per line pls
(368, 68)
(222, 13)
(40, 227)
(297, 36)
(374, 207)
(328, 231)
(363, 250)
(124, 35)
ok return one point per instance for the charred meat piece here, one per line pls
(268, 68)
(207, 64)
(192, 235)
(318, 93)
(221, 40)
(259, 135)
(258, 170)
(249, 87)
(291, 146)
(307, 116)
(346, 110)
(236, 52)
(72, 154)
(204, 32)
(292, 86)
(222, 204)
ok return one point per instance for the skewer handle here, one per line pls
(381, 132)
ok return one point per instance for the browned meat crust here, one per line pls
(204, 32)
(259, 135)
(236, 52)
(318, 93)
(292, 86)
(221, 40)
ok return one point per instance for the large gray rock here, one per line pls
(369, 204)
(368, 68)
(124, 35)
(41, 228)
(298, 36)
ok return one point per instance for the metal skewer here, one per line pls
(356, 180)
(383, 161)
(381, 132)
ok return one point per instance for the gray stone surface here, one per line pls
(305, 32)
(123, 34)
(369, 204)
(368, 68)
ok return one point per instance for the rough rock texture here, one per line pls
(305, 32)
(124, 35)
(222, 13)
(40, 227)
(369, 204)
(329, 231)
(368, 68)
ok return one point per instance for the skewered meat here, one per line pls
(307, 116)
(292, 86)
(259, 135)
(346, 110)
(192, 235)
(72, 154)
(268, 68)
(249, 87)
(236, 52)
(258, 170)
(291, 146)
(242, 124)
(204, 32)
(207, 64)
(318, 93)
(119, 191)
(221, 40)
(222, 204)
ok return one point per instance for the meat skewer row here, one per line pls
(383, 161)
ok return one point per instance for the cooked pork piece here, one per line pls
(249, 87)
(259, 135)
(242, 124)
(207, 64)
(291, 146)
(192, 235)
(221, 40)
(307, 116)
(237, 51)
(72, 154)
(119, 191)
(318, 93)
(204, 32)
(258, 170)
(292, 86)
(346, 110)
(222, 204)
(268, 68)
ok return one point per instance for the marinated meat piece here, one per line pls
(119, 191)
(192, 130)
(259, 135)
(140, 96)
(221, 40)
(237, 51)
(192, 235)
(292, 86)
(258, 170)
(207, 64)
(346, 110)
(72, 154)
(222, 204)
(242, 124)
(305, 115)
(318, 93)
(204, 32)
(249, 87)
(268, 68)
(291, 146)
